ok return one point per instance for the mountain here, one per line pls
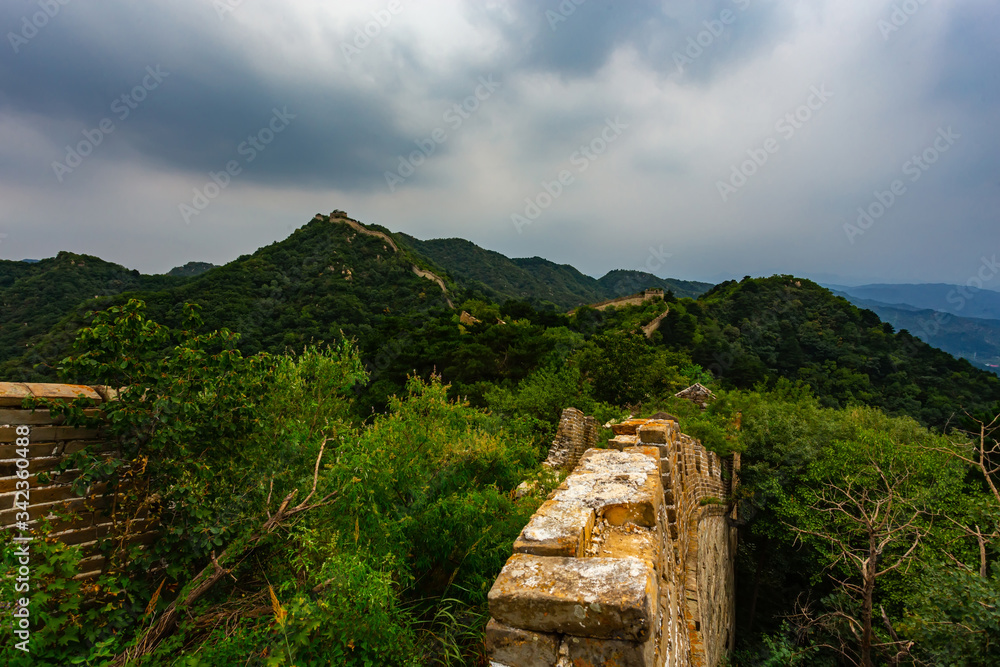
(537, 280)
(974, 339)
(954, 299)
(395, 297)
(35, 296)
(330, 279)
(758, 330)
(191, 269)
(621, 282)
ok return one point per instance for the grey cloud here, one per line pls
(210, 99)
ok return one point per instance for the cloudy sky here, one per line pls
(847, 141)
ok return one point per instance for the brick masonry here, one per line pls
(49, 442)
(576, 434)
(629, 562)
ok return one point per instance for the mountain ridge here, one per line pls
(537, 280)
(959, 300)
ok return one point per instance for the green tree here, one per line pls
(865, 507)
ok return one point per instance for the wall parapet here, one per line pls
(576, 434)
(50, 440)
(623, 564)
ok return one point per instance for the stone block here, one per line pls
(621, 441)
(520, 648)
(627, 427)
(631, 541)
(67, 392)
(619, 487)
(588, 652)
(652, 452)
(607, 461)
(12, 394)
(607, 598)
(655, 432)
(557, 529)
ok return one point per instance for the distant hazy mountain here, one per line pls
(538, 280)
(975, 339)
(954, 299)
(191, 269)
(335, 279)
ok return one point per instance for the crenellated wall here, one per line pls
(629, 562)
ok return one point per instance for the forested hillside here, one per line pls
(323, 365)
(327, 282)
(35, 296)
(972, 338)
(785, 327)
(536, 280)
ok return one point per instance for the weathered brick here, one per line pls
(642, 543)
(520, 648)
(588, 652)
(12, 394)
(621, 441)
(620, 487)
(627, 427)
(655, 432)
(557, 529)
(66, 392)
(613, 598)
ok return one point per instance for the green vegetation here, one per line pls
(860, 537)
(974, 339)
(335, 481)
(35, 297)
(764, 329)
(538, 281)
(191, 269)
(381, 552)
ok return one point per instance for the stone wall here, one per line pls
(630, 300)
(340, 216)
(576, 434)
(629, 562)
(49, 441)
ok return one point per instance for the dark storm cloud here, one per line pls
(208, 98)
(970, 74)
(690, 42)
(697, 98)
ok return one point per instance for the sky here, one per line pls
(847, 141)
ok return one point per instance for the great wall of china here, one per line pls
(340, 216)
(629, 562)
